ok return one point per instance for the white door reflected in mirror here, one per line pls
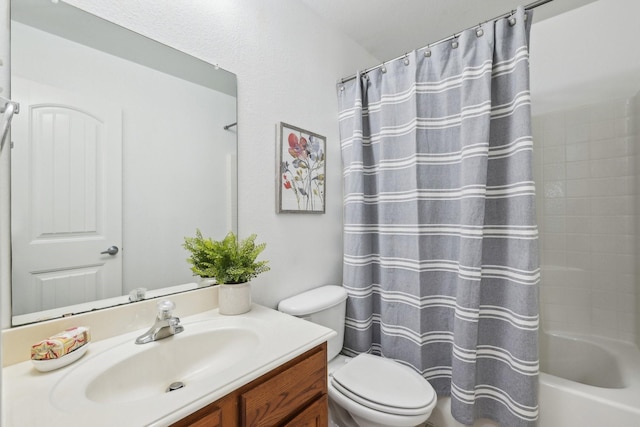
(67, 198)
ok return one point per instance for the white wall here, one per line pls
(585, 55)
(287, 62)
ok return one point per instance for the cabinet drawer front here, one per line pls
(272, 401)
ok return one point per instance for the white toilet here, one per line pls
(366, 391)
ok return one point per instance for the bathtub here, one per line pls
(584, 382)
(588, 382)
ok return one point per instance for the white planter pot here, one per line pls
(234, 299)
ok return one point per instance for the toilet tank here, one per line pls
(325, 306)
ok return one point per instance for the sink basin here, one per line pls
(151, 371)
(128, 372)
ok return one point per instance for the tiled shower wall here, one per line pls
(586, 178)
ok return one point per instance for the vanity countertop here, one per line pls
(32, 398)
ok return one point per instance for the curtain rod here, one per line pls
(504, 15)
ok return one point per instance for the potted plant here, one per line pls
(232, 263)
(201, 258)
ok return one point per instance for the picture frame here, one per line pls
(302, 171)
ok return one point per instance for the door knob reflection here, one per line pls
(111, 251)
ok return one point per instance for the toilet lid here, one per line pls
(384, 385)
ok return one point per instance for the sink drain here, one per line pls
(175, 386)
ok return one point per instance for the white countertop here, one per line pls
(34, 398)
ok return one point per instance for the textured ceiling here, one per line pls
(389, 28)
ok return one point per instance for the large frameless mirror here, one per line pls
(121, 149)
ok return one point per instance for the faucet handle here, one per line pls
(165, 309)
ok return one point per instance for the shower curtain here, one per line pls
(440, 240)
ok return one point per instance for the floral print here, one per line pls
(303, 172)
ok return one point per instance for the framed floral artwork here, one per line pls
(301, 183)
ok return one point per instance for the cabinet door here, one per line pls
(222, 413)
(276, 399)
(315, 415)
(213, 419)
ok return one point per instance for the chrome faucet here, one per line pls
(165, 326)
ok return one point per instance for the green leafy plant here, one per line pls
(229, 261)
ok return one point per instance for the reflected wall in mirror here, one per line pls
(120, 151)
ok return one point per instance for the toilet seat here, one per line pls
(384, 385)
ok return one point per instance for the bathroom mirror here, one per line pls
(123, 146)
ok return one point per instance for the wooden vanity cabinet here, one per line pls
(292, 395)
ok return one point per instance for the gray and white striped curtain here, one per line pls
(440, 240)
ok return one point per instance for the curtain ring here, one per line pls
(427, 53)
(406, 60)
(512, 19)
(383, 68)
(454, 43)
(479, 31)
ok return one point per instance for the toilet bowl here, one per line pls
(381, 392)
(368, 390)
